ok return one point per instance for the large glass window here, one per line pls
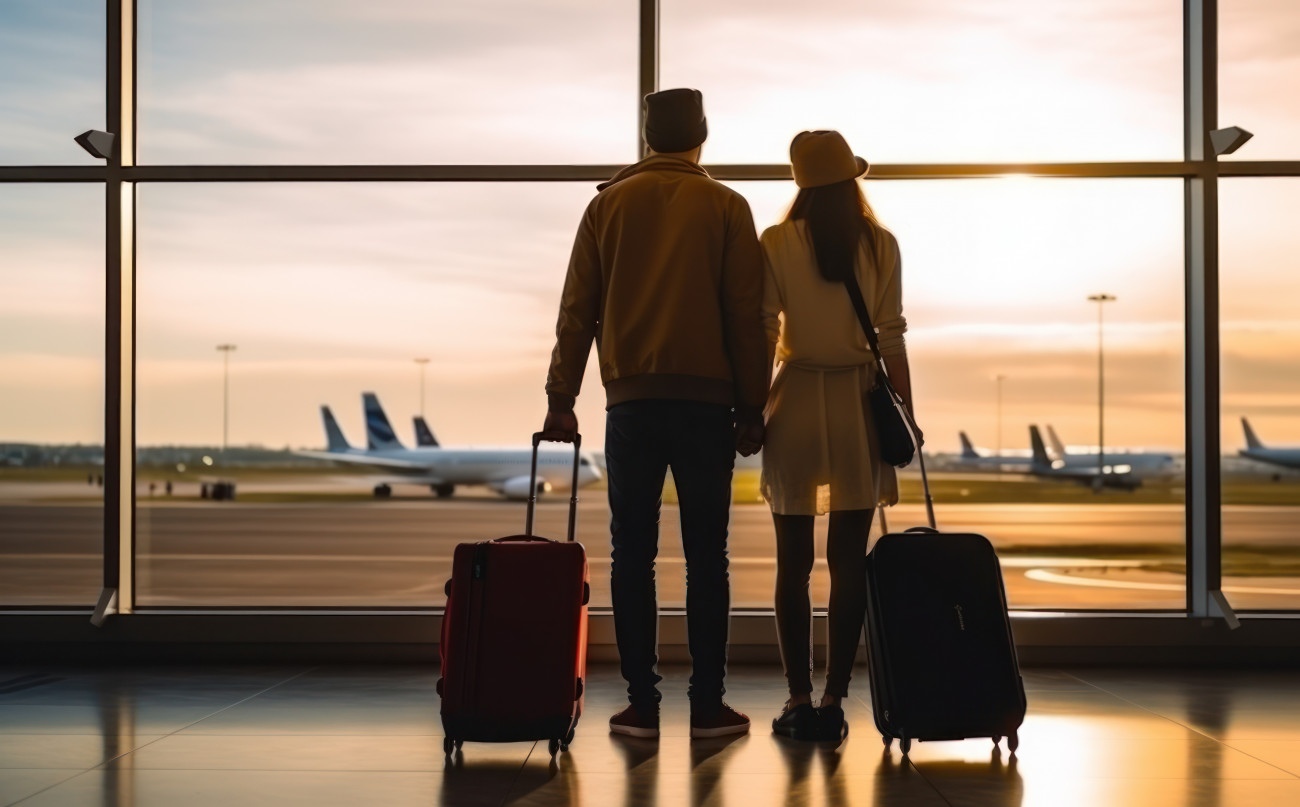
(1259, 72)
(51, 393)
(997, 276)
(386, 81)
(931, 80)
(1260, 333)
(325, 293)
(51, 79)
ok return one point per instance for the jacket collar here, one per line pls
(655, 162)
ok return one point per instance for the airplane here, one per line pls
(1139, 463)
(505, 470)
(1110, 476)
(970, 458)
(1256, 450)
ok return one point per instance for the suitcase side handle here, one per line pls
(573, 486)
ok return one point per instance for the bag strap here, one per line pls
(864, 318)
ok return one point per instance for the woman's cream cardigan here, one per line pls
(820, 453)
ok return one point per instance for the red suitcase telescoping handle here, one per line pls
(573, 487)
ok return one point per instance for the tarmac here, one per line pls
(397, 552)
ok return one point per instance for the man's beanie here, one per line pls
(674, 120)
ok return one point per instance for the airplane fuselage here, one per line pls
(1282, 457)
(505, 470)
(1139, 463)
(478, 466)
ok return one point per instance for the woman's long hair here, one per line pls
(838, 216)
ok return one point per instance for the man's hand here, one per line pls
(749, 438)
(560, 427)
(750, 431)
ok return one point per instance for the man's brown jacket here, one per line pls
(667, 277)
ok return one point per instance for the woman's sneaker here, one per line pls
(636, 722)
(798, 722)
(720, 721)
(831, 725)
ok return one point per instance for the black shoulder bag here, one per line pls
(894, 424)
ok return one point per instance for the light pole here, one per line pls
(421, 363)
(1101, 300)
(1000, 379)
(225, 350)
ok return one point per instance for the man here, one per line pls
(666, 276)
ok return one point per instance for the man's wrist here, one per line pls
(560, 402)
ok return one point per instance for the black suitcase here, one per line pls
(941, 656)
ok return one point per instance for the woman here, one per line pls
(821, 454)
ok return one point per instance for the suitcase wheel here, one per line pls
(887, 740)
(1013, 742)
(553, 746)
(905, 745)
(448, 745)
(997, 738)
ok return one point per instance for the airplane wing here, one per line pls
(384, 463)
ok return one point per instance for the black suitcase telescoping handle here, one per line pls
(573, 487)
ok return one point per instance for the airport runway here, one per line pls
(397, 552)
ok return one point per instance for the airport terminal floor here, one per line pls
(200, 736)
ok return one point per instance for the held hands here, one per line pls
(560, 427)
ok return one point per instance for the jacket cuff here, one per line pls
(749, 415)
(560, 402)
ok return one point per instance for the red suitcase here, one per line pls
(514, 635)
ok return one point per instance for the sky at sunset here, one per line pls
(332, 289)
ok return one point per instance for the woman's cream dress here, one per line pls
(820, 454)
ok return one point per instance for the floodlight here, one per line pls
(1226, 141)
(96, 143)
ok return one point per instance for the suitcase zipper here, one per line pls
(474, 617)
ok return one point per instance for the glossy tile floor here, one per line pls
(360, 736)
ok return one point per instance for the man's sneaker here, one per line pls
(720, 722)
(635, 722)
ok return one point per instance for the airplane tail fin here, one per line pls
(1040, 450)
(1058, 447)
(423, 434)
(334, 439)
(379, 432)
(1252, 440)
(967, 449)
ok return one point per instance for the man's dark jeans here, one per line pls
(697, 440)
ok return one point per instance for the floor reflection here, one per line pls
(998, 781)
(117, 707)
(708, 763)
(641, 762)
(800, 760)
(202, 737)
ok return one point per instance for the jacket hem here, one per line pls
(669, 386)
